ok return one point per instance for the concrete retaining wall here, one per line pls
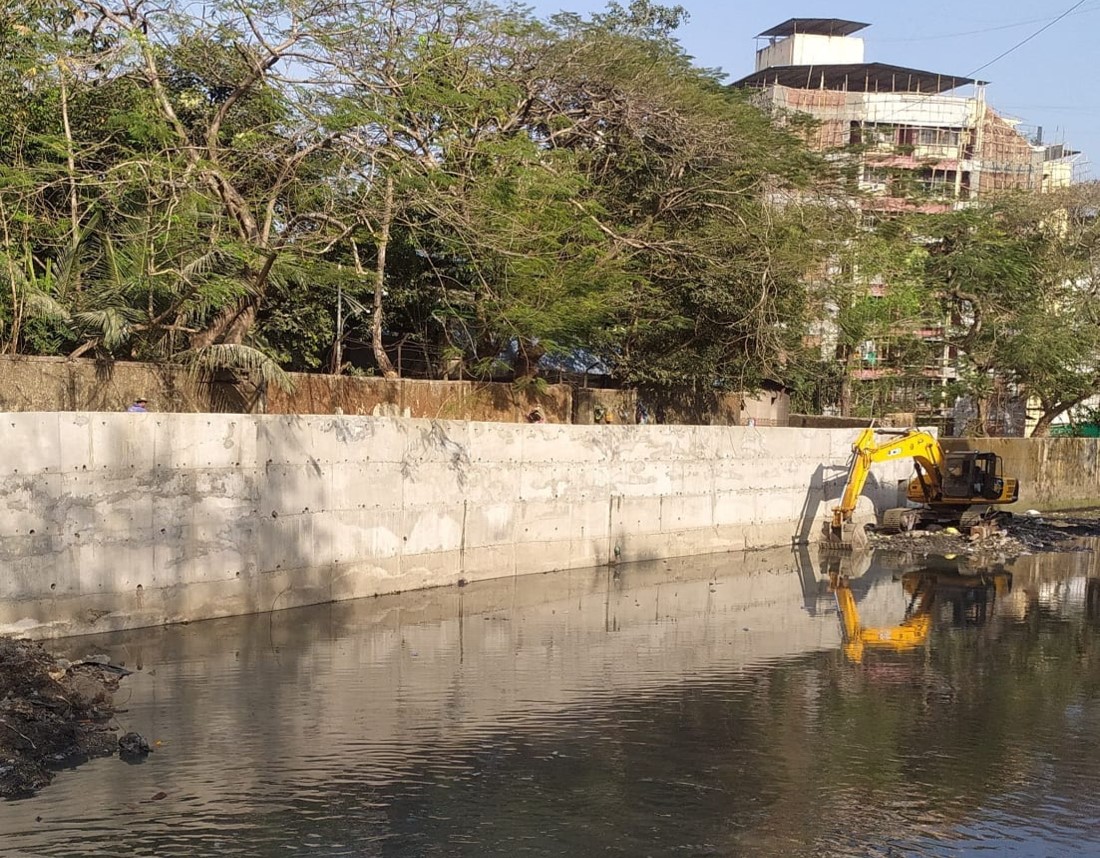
(123, 520)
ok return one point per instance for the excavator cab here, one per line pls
(972, 477)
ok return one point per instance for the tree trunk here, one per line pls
(1052, 411)
(981, 409)
(336, 365)
(240, 326)
(846, 383)
(528, 355)
(1042, 427)
(12, 345)
(232, 323)
(225, 323)
(380, 356)
(70, 159)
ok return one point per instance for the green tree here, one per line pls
(1053, 350)
(713, 211)
(873, 293)
(1015, 275)
(185, 184)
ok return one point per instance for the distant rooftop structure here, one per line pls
(1059, 150)
(855, 77)
(823, 53)
(814, 27)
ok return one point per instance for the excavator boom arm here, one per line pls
(910, 633)
(922, 447)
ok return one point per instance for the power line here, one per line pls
(1023, 42)
(1071, 108)
(1015, 47)
(979, 32)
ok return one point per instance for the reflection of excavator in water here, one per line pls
(970, 596)
(952, 488)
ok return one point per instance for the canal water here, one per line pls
(683, 708)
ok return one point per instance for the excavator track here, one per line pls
(973, 517)
(901, 519)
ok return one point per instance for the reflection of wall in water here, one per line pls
(1053, 583)
(445, 665)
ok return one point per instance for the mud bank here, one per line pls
(1018, 535)
(52, 713)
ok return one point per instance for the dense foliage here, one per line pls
(208, 183)
(301, 184)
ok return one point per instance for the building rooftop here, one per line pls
(856, 77)
(1058, 151)
(815, 27)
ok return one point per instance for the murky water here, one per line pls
(700, 707)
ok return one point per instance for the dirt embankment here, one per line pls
(1018, 535)
(52, 712)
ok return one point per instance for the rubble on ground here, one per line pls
(1017, 535)
(52, 712)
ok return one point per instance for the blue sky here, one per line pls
(1053, 81)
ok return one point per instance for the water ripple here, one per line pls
(685, 709)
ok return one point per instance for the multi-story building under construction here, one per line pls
(918, 137)
(916, 141)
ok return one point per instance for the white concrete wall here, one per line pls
(122, 520)
(919, 110)
(809, 49)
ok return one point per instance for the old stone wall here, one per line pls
(824, 421)
(436, 400)
(895, 420)
(58, 384)
(123, 520)
(592, 405)
(705, 408)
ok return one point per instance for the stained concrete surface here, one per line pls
(112, 521)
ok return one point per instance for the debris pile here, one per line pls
(1030, 533)
(52, 712)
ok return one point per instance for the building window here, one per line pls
(945, 137)
(881, 138)
(937, 183)
(874, 178)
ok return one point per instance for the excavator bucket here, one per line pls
(850, 536)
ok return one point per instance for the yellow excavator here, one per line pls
(952, 488)
(971, 594)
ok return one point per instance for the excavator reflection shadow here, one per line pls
(970, 599)
(1092, 601)
(936, 591)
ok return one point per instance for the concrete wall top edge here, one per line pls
(84, 417)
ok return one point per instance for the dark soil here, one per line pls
(1019, 534)
(52, 712)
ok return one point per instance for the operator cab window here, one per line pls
(958, 479)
